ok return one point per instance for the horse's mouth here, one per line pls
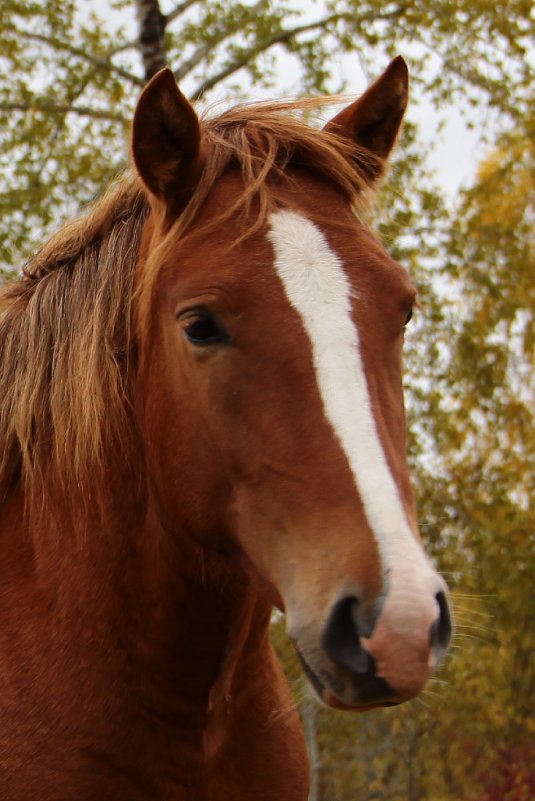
(369, 696)
(314, 680)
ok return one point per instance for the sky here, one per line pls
(456, 147)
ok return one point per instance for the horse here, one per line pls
(202, 419)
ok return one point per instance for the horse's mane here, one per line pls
(66, 338)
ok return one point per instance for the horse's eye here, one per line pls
(409, 317)
(202, 328)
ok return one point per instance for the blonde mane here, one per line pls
(67, 345)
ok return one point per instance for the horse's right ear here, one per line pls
(166, 141)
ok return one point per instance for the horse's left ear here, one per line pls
(166, 141)
(373, 121)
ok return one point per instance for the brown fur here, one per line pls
(158, 496)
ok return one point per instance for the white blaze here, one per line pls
(317, 287)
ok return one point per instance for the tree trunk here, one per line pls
(308, 714)
(151, 36)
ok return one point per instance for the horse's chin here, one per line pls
(331, 693)
(332, 701)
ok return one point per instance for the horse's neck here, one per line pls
(140, 648)
(180, 616)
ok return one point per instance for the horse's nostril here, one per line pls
(341, 638)
(441, 629)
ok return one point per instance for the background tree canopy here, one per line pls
(70, 76)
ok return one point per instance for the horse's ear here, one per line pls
(166, 141)
(373, 121)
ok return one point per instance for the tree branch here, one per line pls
(60, 124)
(58, 44)
(179, 9)
(203, 50)
(246, 56)
(64, 108)
(133, 43)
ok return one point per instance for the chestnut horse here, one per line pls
(201, 418)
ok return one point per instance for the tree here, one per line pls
(471, 396)
(473, 449)
(484, 429)
(71, 73)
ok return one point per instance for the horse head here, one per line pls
(271, 324)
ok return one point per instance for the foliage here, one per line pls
(479, 498)
(71, 73)
(471, 399)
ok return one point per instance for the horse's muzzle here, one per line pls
(385, 665)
